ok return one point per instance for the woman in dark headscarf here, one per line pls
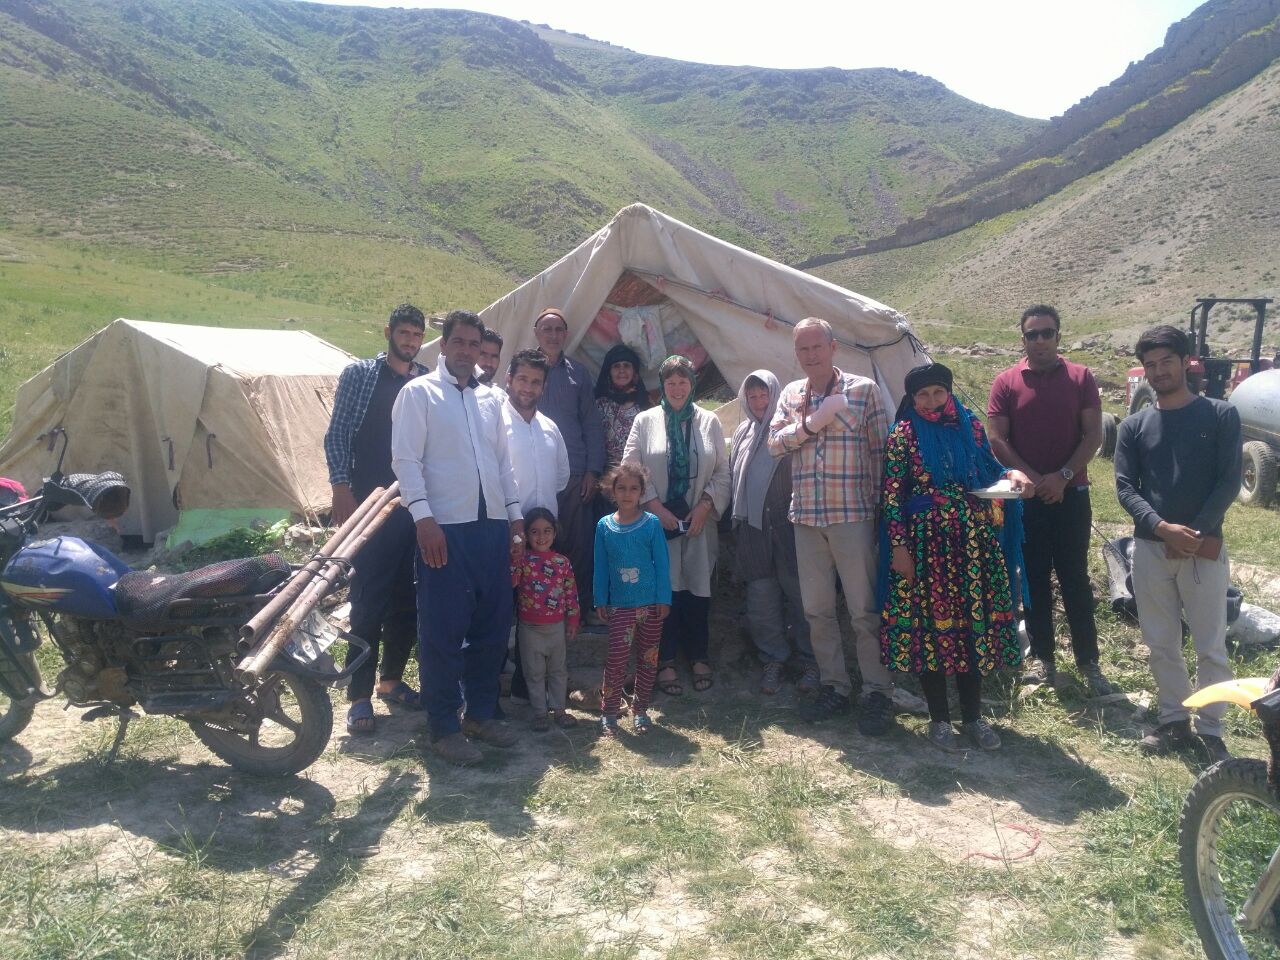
(952, 554)
(620, 395)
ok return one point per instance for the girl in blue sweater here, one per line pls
(632, 591)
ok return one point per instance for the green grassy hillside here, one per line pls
(798, 156)
(460, 131)
(254, 162)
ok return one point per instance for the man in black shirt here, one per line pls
(1177, 472)
(358, 450)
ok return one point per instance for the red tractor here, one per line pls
(1213, 376)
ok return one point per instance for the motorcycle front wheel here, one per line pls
(16, 714)
(1227, 834)
(283, 733)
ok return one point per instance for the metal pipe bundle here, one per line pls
(265, 635)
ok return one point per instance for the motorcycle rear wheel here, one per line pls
(289, 729)
(16, 714)
(1228, 831)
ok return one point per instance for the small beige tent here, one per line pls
(196, 418)
(663, 287)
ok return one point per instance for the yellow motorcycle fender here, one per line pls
(1241, 692)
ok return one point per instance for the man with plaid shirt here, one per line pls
(357, 447)
(834, 425)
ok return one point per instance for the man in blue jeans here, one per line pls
(449, 451)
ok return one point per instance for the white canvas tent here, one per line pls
(663, 287)
(196, 418)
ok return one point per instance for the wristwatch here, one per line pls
(1067, 474)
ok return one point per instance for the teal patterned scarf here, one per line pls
(677, 445)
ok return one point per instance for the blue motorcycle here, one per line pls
(167, 644)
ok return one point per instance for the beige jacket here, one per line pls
(693, 559)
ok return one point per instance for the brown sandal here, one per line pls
(672, 687)
(702, 682)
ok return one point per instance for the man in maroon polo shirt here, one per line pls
(1045, 418)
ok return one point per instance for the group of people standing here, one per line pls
(937, 535)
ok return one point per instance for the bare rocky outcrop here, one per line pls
(1221, 46)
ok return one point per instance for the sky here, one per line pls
(1031, 57)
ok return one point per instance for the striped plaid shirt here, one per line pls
(835, 476)
(350, 401)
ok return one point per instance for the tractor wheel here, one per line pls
(1143, 397)
(1258, 474)
(1110, 427)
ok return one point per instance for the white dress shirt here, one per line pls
(538, 457)
(446, 444)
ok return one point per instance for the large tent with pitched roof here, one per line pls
(664, 287)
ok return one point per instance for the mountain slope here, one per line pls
(798, 156)
(466, 132)
(1191, 214)
(1219, 47)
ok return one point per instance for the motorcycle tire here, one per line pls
(1227, 834)
(294, 731)
(16, 714)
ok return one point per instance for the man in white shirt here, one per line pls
(538, 454)
(449, 452)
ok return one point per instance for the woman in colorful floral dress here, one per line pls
(949, 607)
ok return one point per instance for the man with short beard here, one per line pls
(1177, 472)
(449, 451)
(538, 454)
(490, 359)
(357, 447)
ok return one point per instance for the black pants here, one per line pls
(384, 604)
(577, 537)
(686, 629)
(968, 685)
(1057, 541)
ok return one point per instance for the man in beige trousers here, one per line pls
(834, 424)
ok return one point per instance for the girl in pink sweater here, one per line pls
(547, 617)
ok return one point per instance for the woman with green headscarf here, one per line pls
(683, 448)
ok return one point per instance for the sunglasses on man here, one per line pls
(1048, 333)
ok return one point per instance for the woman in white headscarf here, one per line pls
(766, 546)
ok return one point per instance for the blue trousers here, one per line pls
(464, 619)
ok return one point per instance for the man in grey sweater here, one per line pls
(1177, 472)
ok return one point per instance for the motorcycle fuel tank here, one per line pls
(66, 575)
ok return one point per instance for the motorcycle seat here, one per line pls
(147, 597)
